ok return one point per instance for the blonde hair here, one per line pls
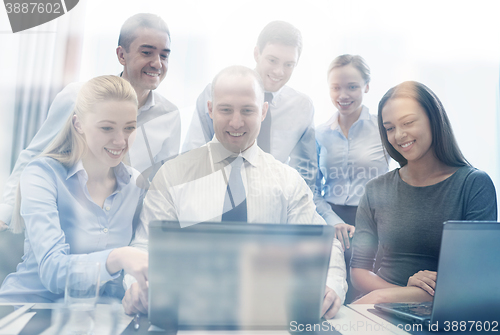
(69, 146)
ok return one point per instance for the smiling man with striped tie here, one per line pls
(231, 178)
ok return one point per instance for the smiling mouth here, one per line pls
(344, 104)
(407, 144)
(235, 134)
(114, 152)
(276, 80)
(152, 74)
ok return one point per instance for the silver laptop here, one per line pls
(468, 279)
(236, 275)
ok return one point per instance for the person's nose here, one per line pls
(156, 62)
(236, 121)
(278, 70)
(400, 134)
(120, 139)
(343, 94)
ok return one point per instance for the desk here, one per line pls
(350, 320)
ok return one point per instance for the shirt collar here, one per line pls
(122, 174)
(333, 123)
(150, 101)
(220, 153)
(276, 94)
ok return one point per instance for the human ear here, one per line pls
(265, 108)
(256, 53)
(367, 88)
(120, 54)
(77, 124)
(210, 112)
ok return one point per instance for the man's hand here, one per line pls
(426, 280)
(3, 226)
(136, 300)
(331, 304)
(343, 232)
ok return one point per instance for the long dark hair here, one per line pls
(443, 141)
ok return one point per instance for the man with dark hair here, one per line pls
(232, 179)
(143, 50)
(288, 131)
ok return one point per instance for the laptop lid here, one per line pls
(468, 278)
(236, 275)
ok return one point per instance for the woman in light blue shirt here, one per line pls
(77, 200)
(349, 149)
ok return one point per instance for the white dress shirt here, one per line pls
(191, 189)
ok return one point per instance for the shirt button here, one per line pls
(105, 230)
(108, 208)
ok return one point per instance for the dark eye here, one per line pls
(130, 128)
(389, 129)
(106, 128)
(147, 53)
(353, 87)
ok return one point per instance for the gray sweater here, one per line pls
(407, 221)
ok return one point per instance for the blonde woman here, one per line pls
(77, 200)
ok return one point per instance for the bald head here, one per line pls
(237, 107)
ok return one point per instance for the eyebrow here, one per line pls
(401, 118)
(113, 122)
(148, 46)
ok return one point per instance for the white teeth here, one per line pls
(406, 145)
(114, 152)
(344, 103)
(274, 79)
(153, 74)
(236, 134)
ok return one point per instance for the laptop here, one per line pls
(233, 276)
(468, 278)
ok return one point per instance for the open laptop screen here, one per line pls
(237, 276)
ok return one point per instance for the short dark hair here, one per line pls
(280, 32)
(141, 20)
(443, 141)
(357, 61)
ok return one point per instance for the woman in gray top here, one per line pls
(403, 211)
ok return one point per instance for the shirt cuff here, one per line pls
(332, 218)
(128, 280)
(102, 257)
(6, 213)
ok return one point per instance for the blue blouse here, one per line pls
(64, 224)
(347, 164)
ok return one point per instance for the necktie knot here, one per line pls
(268, 97)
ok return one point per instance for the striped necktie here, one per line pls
(235, 202)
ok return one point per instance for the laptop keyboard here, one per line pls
(419, 309)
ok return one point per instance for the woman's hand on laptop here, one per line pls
(426, 280)
(331, 304)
